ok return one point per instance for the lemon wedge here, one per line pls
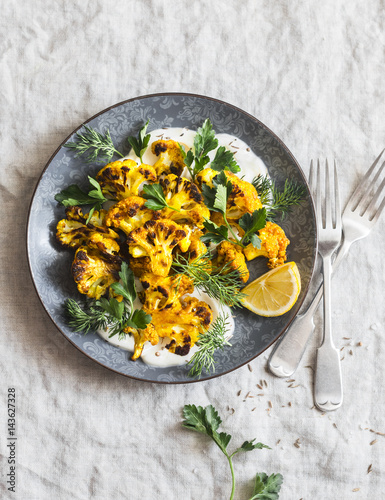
(275, 292)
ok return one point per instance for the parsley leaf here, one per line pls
(73, 195)
(267, 487)
(204, 142)
(137, 318)
(224, 159)
(215, 234)
(154, 195)
(207, 421)
(251, 223)
(139, 145)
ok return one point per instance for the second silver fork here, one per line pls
(328, 393)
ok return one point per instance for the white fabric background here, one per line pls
(313, 72)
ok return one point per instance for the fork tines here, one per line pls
(368, 194)
(331, 215)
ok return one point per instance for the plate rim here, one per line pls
(137, 98)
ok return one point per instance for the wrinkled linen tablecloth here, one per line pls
(313, 72)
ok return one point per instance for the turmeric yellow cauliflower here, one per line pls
(149, 334)
(170, 160)
(93, 274)
(196, 248)
(156, 241)
(186, 200)
(129, 214)
(273, 245)
(243, 197)
(121, 179)
(164, 292)
(184, 326)
(74, 231)
(230, 256)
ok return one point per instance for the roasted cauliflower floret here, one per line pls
(129, 214)
(186, 200)
(121, 179)
(73, 232)
(273, 245)
(230, 256)
(185, 326)
(170, 157)
(194, 253)
(243, 197)
(93, 274)
(156, 240)
(149, 334)
(164, 292)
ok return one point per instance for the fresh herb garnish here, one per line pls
(278, 202)
(207, 421)
(84, 318)
(137, 319)
(208, 342)
(73, 195)
(267, 487)
(220, 283)
(109, 313)
(100, 147)
(154, 195)
(204, 142)
(139, 145)
(224, 160)
(251, 223)
(216, 200)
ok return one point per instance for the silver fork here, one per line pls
(360, 215)
(328, 379)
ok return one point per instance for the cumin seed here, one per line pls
(369, 469)
(373, 442)
(250, 368)
(260, 387)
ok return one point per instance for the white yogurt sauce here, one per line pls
(251, 166)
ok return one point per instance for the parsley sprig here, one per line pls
(278, 202)
(154, 195)
(109, 313)
(139, 145)
(204, 142)
(207, 421)
(99, 147)
(216, 200)
(73, 195)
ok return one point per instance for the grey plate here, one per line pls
(50, 263)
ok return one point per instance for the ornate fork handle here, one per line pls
(289, 349)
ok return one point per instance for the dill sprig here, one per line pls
(100, 147)
(220, 283)
(278, 202)
(112, 314)
(208, 342)
(84, 318)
